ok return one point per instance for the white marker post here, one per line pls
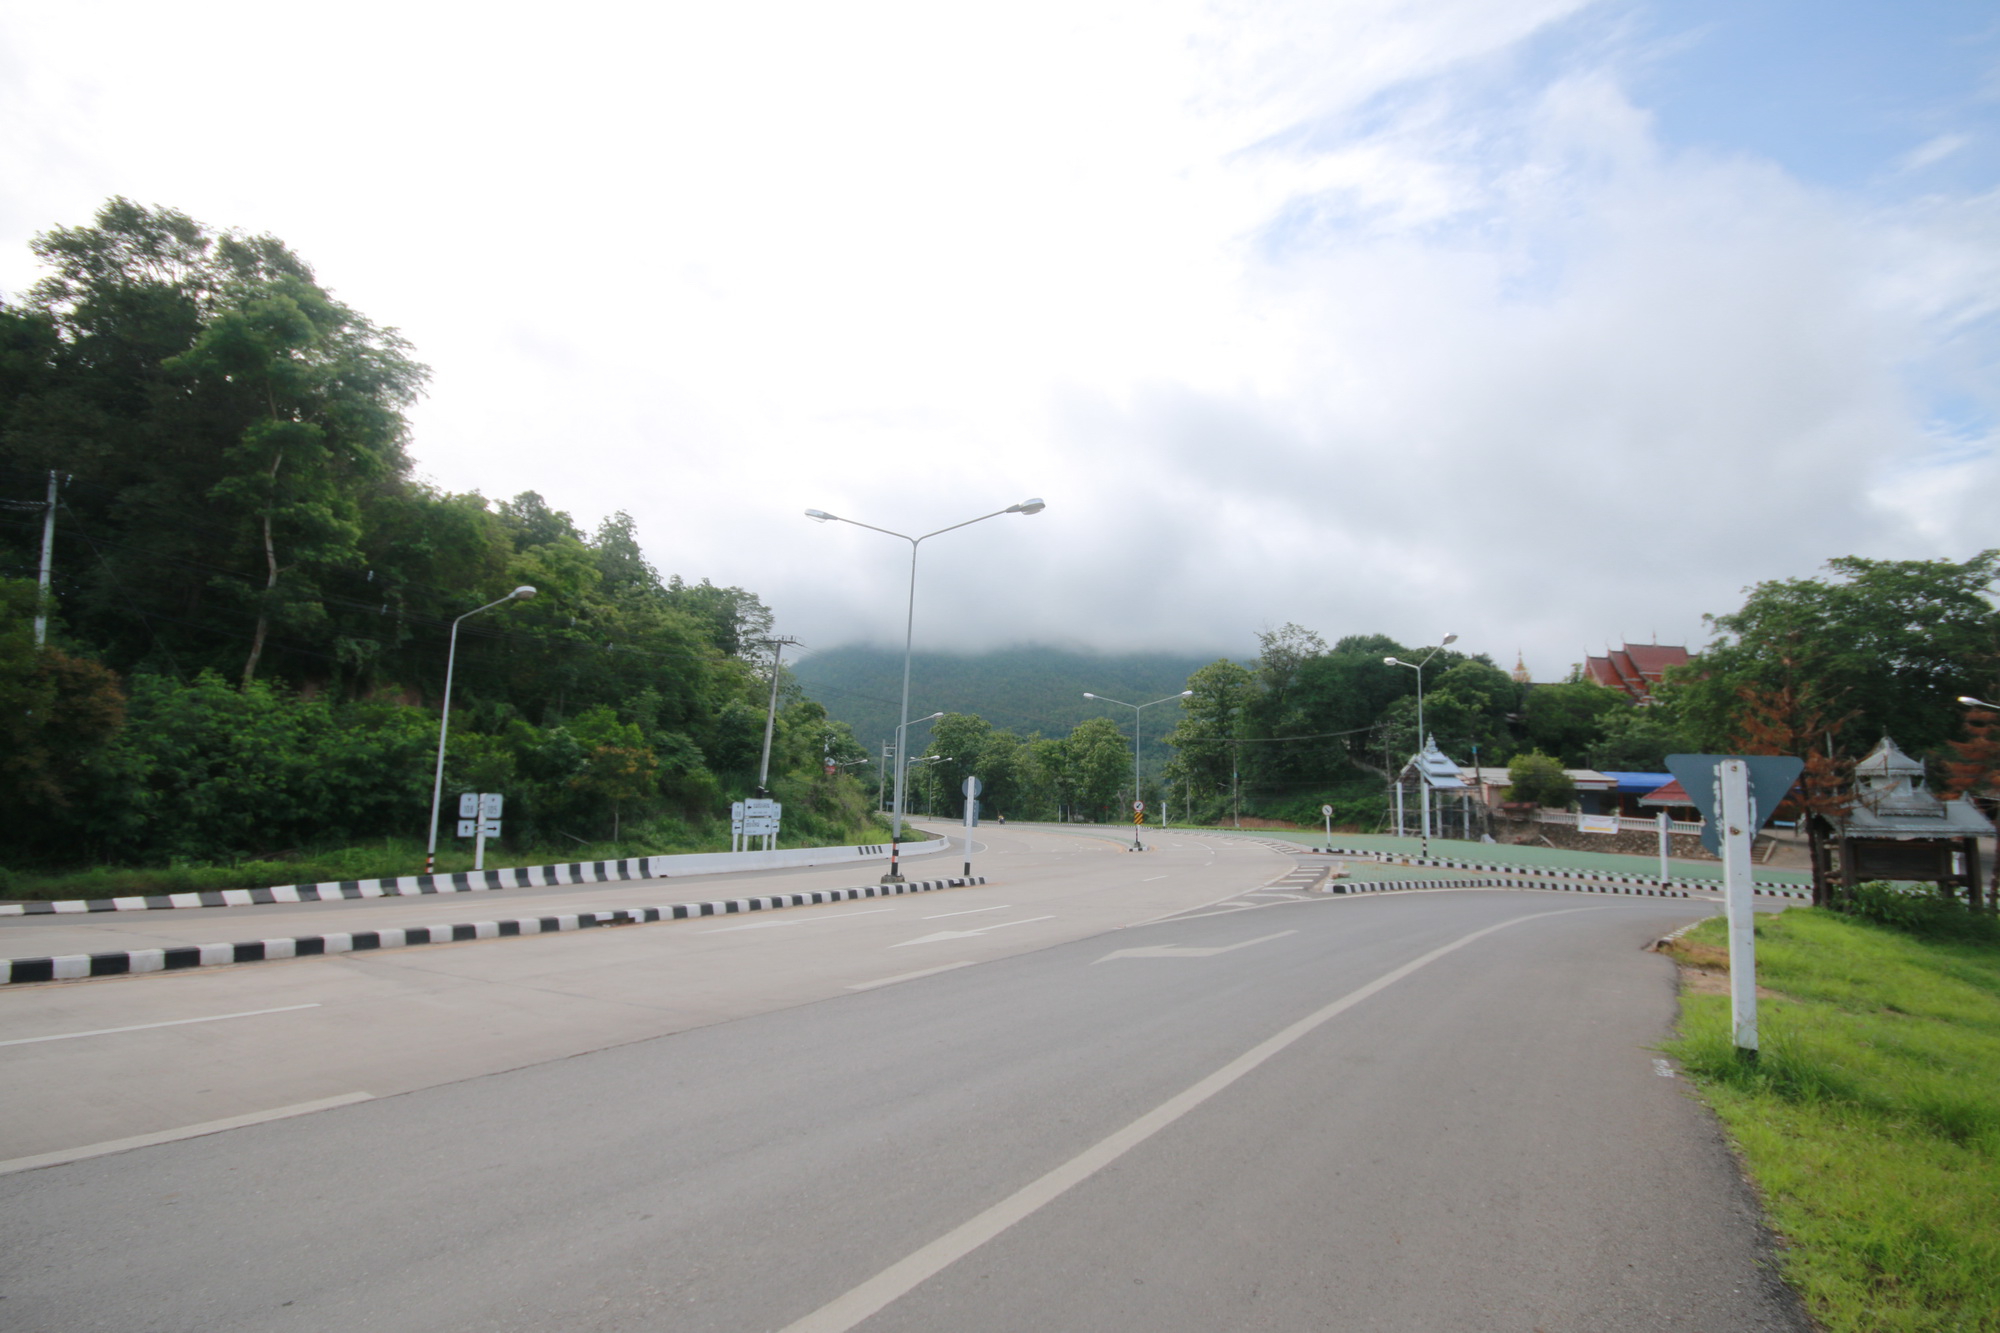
(1739, 824)
(490, 805)
(1666, 845)
(972, 788)
(1326, 813)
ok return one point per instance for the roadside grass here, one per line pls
(1871, 1120)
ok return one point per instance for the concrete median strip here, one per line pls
(1770, 888)
(482, 881)
(75, 967)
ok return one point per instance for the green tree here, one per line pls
(57, 713)
(1099, 763)
(1638, 740)
(220, 414)
(1565, 720)
(1211, 721)
(1539, 778)
(958, 740)
(1894, 642)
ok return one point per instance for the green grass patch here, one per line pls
(1871, 1120)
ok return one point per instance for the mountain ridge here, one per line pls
(1025, 688)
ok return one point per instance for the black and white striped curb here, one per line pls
(1770, 888)
(404, 886)
(72, 967)
(1505, 882)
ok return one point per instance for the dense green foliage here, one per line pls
(1871, 1119)
(1885, 648)
(255, 601)
(1024, 690)
(1536, 777)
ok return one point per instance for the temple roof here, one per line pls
(1437, 769)
(1890, 801)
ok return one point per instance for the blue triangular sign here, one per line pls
(1771, 780)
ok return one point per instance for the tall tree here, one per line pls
(1893, 641)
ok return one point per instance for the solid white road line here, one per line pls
(970, 911)
(910, 976)
(185, 1132)
(1189, 950)
(170, 1023)
(844, 1312)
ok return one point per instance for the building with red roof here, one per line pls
(1636, 668)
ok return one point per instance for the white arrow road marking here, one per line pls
(1189, 950)
(964, 934)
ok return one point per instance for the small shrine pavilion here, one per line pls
(1430, 771)
(1898, 830)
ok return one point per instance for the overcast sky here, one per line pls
(1548, 322)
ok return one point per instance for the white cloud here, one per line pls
(1351, 315)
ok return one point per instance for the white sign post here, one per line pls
(1739, 826)
(736, 826)
(1666, 845)
(759, 819)
(972, 789)
(1326, 813)
(479, 819)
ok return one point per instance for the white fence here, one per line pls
(1625, 823)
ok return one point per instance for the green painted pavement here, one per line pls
(1547, 858)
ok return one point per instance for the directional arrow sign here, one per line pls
(1190, 950)
(1771, 779)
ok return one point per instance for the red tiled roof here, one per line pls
(1635, 668)
(1671, 794)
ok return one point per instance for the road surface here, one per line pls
(1416, 1111)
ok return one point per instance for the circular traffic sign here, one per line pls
(1138, 806)
(1326, 809)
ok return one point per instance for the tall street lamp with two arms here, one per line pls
(1424, 789)
(1033, 506)
(520, 594)
(1136, 708)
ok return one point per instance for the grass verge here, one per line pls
(1871, 1121)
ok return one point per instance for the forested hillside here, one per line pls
(1820, 668)
(1024, 689)
(252, 597)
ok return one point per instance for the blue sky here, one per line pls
(1841, 95)
(1377, 315)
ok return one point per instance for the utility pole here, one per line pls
(48, 559)
(771, 714)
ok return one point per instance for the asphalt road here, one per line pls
(1420, 1111)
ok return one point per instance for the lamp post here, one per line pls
(1423, 783)
(1184, 694)
(520, 594)
(1031, 506)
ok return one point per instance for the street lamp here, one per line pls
(1971, 702)
(1423, 788)
(520, 594)
(1032, 506)
(1184, 694)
